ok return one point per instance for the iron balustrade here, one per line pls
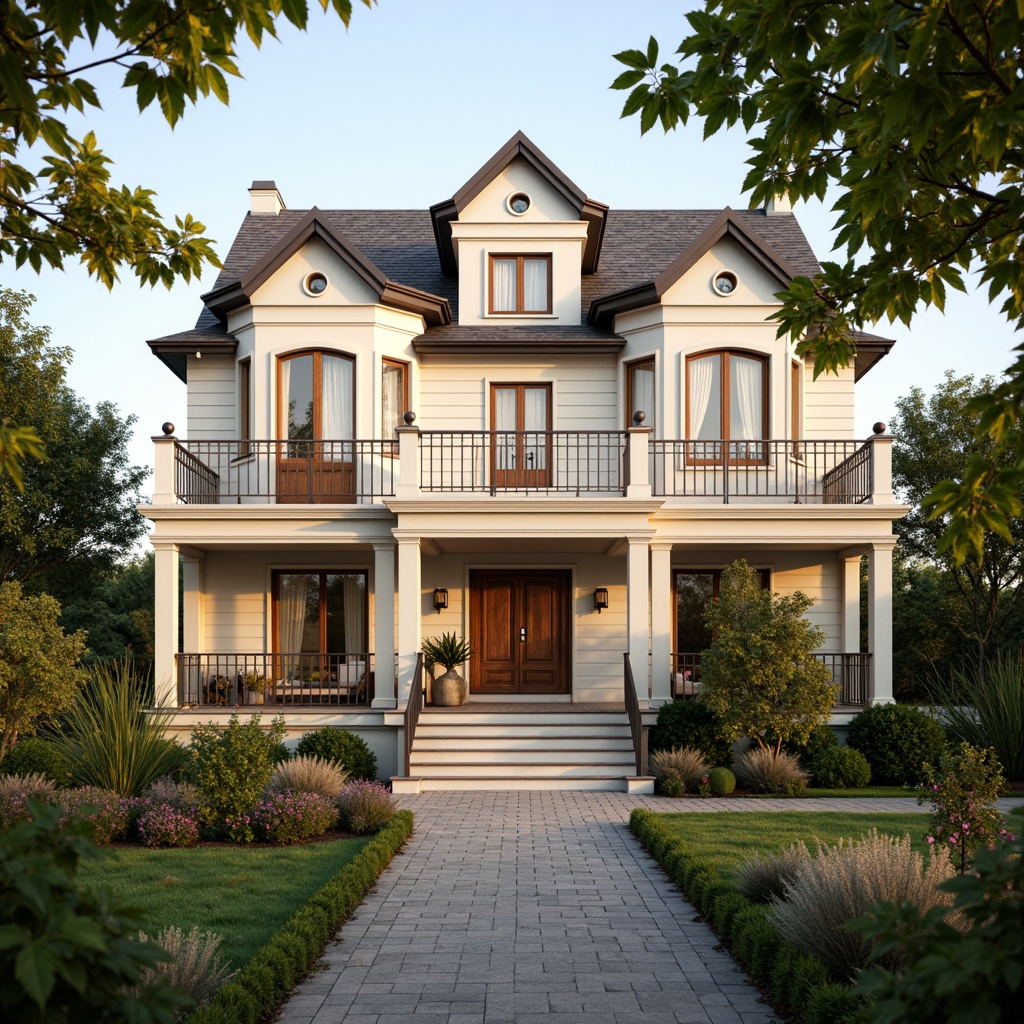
(636, 723)
(275, 680)
(801, 472)
(413, 709)
(286, 472)
(529, 461)
(850, 672)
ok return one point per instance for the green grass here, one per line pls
(865, 791)
(727, 839)
(244, 893)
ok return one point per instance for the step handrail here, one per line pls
(636, 724)
(413, 708)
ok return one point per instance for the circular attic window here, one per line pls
(315, 284)
(724, 282)
(518, 203)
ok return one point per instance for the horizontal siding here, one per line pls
(211, 399)
(828, 405)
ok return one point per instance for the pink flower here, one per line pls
(929, 839)
(952, 839)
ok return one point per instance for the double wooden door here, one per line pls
(520, 632)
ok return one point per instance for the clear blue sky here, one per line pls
(398, 112)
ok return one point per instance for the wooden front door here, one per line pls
(520, 631)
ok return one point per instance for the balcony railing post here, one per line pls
(881, 467)
(408, 458)
(637, 447)
(165, 467)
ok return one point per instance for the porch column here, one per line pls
(661, 624)
(192, 605)
(880, 620)
(851, 604)
(410, 613)
(384, 625)
(637, 609)
(165, 624)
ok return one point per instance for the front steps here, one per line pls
(552, 749)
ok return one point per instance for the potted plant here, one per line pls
(448, 651)
(255, 686)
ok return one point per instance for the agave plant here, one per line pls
(447, 650)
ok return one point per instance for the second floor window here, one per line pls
(640, 394)
(727, 400)
(520, 284)
(394, 388)
(316, 397)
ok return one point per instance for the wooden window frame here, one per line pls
(519, 257)
(387, 433)
(726, 406)
(630, 402)
(275, 578)
(796, 378)
(317, 354)
(245, 407)
(716, 582)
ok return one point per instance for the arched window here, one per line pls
(727, 401)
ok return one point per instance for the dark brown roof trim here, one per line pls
(174, 349)
(434, 309)
(870, 348)
(425, 345)
(519, 146)
(726, 225)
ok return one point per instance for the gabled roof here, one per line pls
(519, 147)
(726, 225)
(231, 294)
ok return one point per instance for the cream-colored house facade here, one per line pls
(523, 417)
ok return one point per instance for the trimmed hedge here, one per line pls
(259, 987)
(795, 980)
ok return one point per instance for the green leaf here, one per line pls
(34, 968)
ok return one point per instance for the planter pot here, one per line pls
(255, 697)
(449, 690)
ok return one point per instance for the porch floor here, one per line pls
(511, 707)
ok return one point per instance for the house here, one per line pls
(523, 417)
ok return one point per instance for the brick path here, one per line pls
(534, 908)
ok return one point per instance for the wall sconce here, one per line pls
(440, 599)
(601, 599)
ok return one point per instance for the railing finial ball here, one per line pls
(410, 418)
(639, 416)
(879, 427)
(167, 428)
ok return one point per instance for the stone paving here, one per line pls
(535, 908)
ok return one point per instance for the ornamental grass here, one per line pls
(365, 806)
(15, 790)
(308, 774)
(682, 763)
(196, 966)
(763, 771)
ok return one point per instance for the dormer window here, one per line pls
(520, 284)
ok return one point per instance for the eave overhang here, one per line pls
(173, 350)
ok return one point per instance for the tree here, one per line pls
(76, 515)
(173, 52)
(913, 111)
(980, 598)
(39, 672)
(760, 676)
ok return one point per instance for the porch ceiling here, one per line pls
(516, 545)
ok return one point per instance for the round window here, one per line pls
(315, 284)
(518, 203)
(724, 282)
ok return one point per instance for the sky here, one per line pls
(398, 112)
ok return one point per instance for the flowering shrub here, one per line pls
(289, 817)
(963, 791)
(16, 789)
(365, 806)
(181, 795)
(107, 812)
(166, 825)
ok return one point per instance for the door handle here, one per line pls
(522, 634)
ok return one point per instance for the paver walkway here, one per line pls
(534, 908)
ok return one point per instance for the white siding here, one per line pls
(828, 405)
(212, 400)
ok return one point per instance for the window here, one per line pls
(795, 377)
(640, 394)
(727, 400)
(244, 404)
(520, 284)
(394, 390)
(521, 420)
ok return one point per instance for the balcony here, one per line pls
(489, 463)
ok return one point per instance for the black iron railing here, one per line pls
(194, 477)
(275, 680)
(413, 709)
(636, 724)
(812, 472)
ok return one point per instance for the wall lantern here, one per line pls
(601, 599)
(440, 599)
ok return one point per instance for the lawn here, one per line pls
(728, 839)
(244, 893)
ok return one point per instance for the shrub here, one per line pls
(104, 810)
(167, 825)
(308, 775)
(365, 806)
(721, 781)
(690, 723)
(685, 764)
(764, 878)
(896, 739)
(963, 792)
(91, 967)
(673, 786)
(822, 738)
(232, 766)
(33, 755)
(291, 817)
(195, 966)
(841, 768)
(764, 771)
(180, 795)
(15, 791)
(345, 749)
(840, 883)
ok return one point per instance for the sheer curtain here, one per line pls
(503, 285)
(392, 395)
(336, 406)
(355, 613)
(535, 285)
(291, 620)
(536, 421)
(702, 372)
(746, 419)
(642, 390)
(505, 419)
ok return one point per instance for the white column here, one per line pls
(384, 625)
(192, 605)
(164, 470)
(637, 448)
(851, 604)
(661, 624)
(165, 625)
(408, 462)
(637, 605)
(410, 612)
(881, 470)
(880, 621)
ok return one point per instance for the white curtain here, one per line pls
(336, 411)
(503, 285)
(291, 620)
(285, 396)
(355, 600)
(536, 419)
(505, 419)
(392, 394)
(746, 418)
(535, 285)
(701, 375)
(642, 389)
